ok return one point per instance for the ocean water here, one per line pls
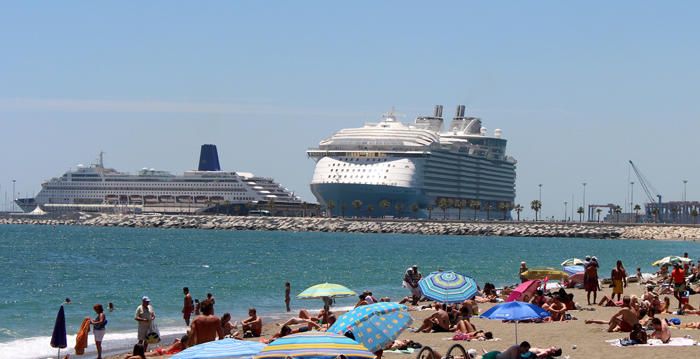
(42, 265)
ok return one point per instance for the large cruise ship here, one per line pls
(419, 170)
(98, 188)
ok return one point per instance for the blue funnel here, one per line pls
(209, 158)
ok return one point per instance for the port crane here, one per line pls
(649, 190)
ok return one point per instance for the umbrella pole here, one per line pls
(59, 353)
(516, 332)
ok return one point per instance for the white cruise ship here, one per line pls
(98, 188)
(418, 170)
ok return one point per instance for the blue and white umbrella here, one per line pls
(374, 325)
(448, 287)
(222, 349)
(515, 311)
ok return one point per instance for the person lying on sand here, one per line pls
(622, 321)
(305, 319)
(513, 352)
(543, 352)
(436, 323)
(177, 346)
(477, 335)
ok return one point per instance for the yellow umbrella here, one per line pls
(541, 273)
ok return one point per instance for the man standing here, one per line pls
(287, 295)
(678, 277)
(206, 327)
(410, 280)
(210, 297)
(187, 306)
(619, 279)
(590, 281)
(144, 315)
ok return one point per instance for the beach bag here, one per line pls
(153, 336)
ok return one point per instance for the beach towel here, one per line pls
(82, 337)
(403, 351)
(675, 342)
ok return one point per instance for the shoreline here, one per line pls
(643, 231)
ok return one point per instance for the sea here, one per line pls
(41, 266)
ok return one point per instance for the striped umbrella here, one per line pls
(314, 345)
(374, 325)
(221, 349)
(448, 287)
(671, 260)
(328, 290)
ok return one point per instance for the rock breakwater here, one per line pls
(317, 224)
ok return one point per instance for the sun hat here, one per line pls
(145, 299)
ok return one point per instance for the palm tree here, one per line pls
(271, 206)
(617, 210)
(637, 208)
(398, 207)
(504, 207)
(443, 204)
(370, 208)
(414, 209)
(598, 211)
(330, 205)
(489, 207)
(475, 205)
(694, 214)
(518, 209)
(357, 204)
(674, 213)
(580, 214)
(237, 209)
(343, 207)
(655, 213)
(430, 211)
(459, 204)
(536, 206)
(384, 204)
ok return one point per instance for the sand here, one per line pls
(577, 339)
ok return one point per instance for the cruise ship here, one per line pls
(98, 188)
(420, 170)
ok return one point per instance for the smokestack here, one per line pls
(438, 111)
(461, 110)
(209, 158)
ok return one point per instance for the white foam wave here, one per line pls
(113, 343)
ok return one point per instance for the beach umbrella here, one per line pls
(671, 260)
(542, 273)
(58, 337)
(576, 278)
(571, 270)
(221, 349)
(314, 345)
(572, 262)
(522, 290)
(515, 311)
(326, 291)
(448, 287)
(374, 325)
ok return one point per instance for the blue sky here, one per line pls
(578, 88)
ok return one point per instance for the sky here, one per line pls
(578, 88)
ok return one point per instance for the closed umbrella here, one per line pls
(670, 260)
(448, 287)
(515, 311)
(58, 337)
(374, 325)
(326, 291)
(314, 345)
(222, 349)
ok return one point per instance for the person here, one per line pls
(686, 263)
(661, 330)
(98, 327)
(362, 300)
(464, 325)
(177, 346)
(523, 269)
(590, 281)
(410, 281)
(557, 309)
(539, 299)
(369, 298)
(187, 306)
(252, 326)
(622, 321)
(196, 307)
(138, 352)
(638, 275)
(678, 278)
(436, 323)
(287, 295)
(543, 352)
(210, 298)
(513, 352)
(206, 327)
(145, 315)
(619, 279)
(111, 307)
(638, 335)
(226, 326)
(67, 301)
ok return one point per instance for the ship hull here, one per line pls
(341, 196)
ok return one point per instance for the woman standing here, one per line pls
(98, 328)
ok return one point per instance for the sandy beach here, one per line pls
(577, 339)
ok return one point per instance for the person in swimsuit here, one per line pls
(590, 281)
(438, 322)
(98, 328)
(177, 346)
(287, 296)
(619, 279)
(187, 306)
(661, 330)
(678, 278)
(622, 321)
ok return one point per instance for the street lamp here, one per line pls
(685, 186)
(584, 200)
(13, 195)
(631, 198)
(565, 209)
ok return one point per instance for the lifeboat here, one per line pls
(166, 199)
(201, 199)
(184, 199)
(150, 199)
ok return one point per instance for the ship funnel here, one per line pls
(438, 111)
(461, 109)
(209, 159)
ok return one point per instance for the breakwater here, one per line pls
(319, 224)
